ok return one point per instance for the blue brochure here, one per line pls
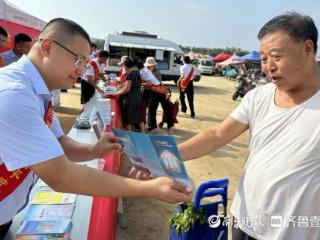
(99, 119)
(49, 212)
(157, 154)
(45, 227)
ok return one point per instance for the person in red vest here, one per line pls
(122, 72)
(158, 94)
(3, 39)
(185, 84)
(95, 72)
(32, 143)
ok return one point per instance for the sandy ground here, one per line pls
(146, 218)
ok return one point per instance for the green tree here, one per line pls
(99, 42)
(214, 51)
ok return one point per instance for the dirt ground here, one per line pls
(146, 219)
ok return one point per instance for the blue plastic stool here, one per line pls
(205, 232)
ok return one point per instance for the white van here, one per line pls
(205, 66)
(142, 45)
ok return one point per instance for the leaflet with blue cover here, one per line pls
(45, 227)
(49, 212)
(157, 154)
(99, 119)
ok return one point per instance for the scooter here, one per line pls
(242, 86)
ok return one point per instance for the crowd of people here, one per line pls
(141, 91)
(281, 172)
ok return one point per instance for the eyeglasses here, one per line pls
(80, 63)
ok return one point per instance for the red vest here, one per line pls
(184, 83)
(10, 180)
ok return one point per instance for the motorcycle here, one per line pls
(262, 81)
(243, 85)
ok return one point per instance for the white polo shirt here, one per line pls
(90, 71)
(25, 139)
(147, 75)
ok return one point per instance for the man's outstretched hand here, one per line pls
(168, 190)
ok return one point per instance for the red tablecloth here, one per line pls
(104, 210)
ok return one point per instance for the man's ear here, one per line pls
(309, 46)
(45, 47)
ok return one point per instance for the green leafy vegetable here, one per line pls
(186, 220)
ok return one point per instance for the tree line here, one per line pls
(214, 51)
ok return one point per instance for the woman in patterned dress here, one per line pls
(131, 96)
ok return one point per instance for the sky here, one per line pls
(198, 23)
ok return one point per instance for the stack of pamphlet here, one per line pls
(49, 216)
(103, 106)
(112, 76)
(110, 89)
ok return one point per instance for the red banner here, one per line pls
(13, 29)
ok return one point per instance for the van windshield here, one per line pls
(206, 63)
(162, 57)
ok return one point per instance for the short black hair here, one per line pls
(3, 32)
(93, 45)
(187, 59)
(21, 37)
(140, 64)
(299, 27)
(64, 28)
(103, 53)
(130, 62)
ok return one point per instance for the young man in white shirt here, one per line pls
(95, 71)
(187, 75)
